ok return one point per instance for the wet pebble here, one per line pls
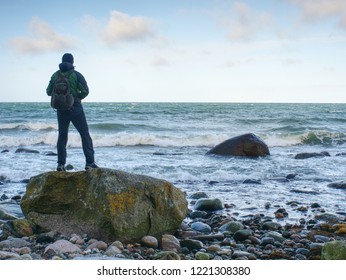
(201, 227)
(150, 241)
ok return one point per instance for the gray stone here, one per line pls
(242, 234)
(267, 240)
(25, 150)
(199, 195)
(13, 243)
(316, 248)
(231, 227)
(271, 226)
(310, 155)
(277, 236)
(201, 227)
(327, 218)
(206, 204)
(303, 251)
(4, 255)
(112, 251)
(241, 254)
(198, 214)
(191, 244)
(62, 246)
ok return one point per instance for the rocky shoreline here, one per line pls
(206, 234)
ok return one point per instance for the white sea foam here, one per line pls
(282, 140)
(147, 139)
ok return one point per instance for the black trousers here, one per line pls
(77, 117)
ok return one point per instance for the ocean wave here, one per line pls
(30, 126)
(119, 139)
(323, 138)
(158, 139)
(309, 138)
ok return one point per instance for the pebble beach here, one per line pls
(204, 235)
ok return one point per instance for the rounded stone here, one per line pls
(327, 218)
(198, 214)
(201, 227)
(267, 240)
(277, 236)
(191, 244)
(231, 227)
(202, 256)
(100, 245)
(271, 226)
(199, 195)
(170, 243)
(206, 204)
(150, 241)
(62, 246)
(242, 235)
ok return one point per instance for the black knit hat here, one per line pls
(67, 57)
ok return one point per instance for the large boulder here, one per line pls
(334, 250)
(244, 145)
(106, 204)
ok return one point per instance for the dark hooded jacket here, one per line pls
(79, 86)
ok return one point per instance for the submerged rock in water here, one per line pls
(338, 185)
(103, 203)
(310, 155)
(244, 145)
(25, 150)
(327, 218)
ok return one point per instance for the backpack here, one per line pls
(62, 99)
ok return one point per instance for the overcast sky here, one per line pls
(171, 51)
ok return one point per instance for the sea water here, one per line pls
(170, 141)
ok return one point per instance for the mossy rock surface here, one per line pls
(104, 203)
(334, 250)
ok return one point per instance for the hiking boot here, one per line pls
(61, 167)
(90, 166)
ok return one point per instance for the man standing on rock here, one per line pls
(79, 90)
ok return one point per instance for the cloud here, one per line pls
(159, 62)
(291, 61)
(320, 9)
(43, 38)
(245, 23)
(124, 28)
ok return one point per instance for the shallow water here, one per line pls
(170, 141)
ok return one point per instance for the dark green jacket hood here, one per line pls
(66, 66)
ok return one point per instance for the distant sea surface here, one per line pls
(170, 141)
